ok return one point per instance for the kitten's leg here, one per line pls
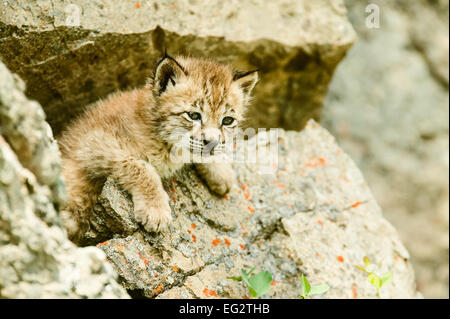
(151, 202)
(219, 176)
(75, 214)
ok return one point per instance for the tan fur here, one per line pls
(128, 137)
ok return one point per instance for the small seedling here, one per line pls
(373, 278)
(308, 290)
(258, 284)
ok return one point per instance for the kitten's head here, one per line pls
(203, 97)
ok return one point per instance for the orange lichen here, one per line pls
(103, 244)
(340, 259)
(319, 162)
(138, 5)
(209, 293)
(227, 242)
(144, 259)
(194, 238)
(320, 222)
(175, 269)
(273, 283)
(158, 289)
(246, 195)
(193, 225)
(356, 204)
(243, 187)
(242, 247)
(216, 242)
(225, 196)
(355, 292)
(251, 209)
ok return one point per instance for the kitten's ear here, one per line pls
(168, 72)
(246, 81)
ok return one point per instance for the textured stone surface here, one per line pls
(314, 216)
(36, 258)
(295, 44)
(391, 116)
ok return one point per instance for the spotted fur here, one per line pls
(129, 136)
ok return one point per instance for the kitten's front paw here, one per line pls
(154, 215)
(220, 179)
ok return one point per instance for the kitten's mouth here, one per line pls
(197, 146)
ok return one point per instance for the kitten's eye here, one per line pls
(227, 120)
(195, 116)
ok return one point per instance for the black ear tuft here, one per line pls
(246, 80)
(168, 71)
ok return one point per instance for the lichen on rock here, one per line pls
(314, 216)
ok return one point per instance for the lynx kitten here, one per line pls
(128, 137)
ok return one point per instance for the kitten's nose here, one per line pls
(211, 144)
(211, 137)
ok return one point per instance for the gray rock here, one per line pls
(391, 116)
(295, 44)
(36, 258)
(234, 234)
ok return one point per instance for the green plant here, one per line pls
(373, 278)
(308, 290)
(258, 284)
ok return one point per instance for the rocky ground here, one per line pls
(388, 108)
(314, 215)
(36, 258)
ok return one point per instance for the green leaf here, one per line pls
(253, 293)
(319, 289)
(235, 278)
(366, 261)
(386, 278)
(374, 280)
(251, 270)
(361, 268)
(306, 287)
(260, 283)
